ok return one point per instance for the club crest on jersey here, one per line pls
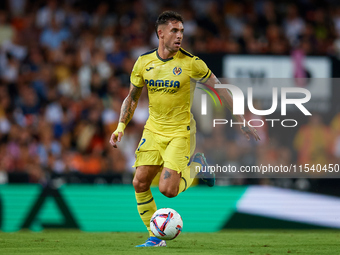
(177, 70)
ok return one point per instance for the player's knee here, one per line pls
(140, 186)
(168, 192)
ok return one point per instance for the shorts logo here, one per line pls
(143, 141)
(177, 70)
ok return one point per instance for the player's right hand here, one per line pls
(117, 135)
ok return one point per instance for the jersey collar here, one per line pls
(167, 59)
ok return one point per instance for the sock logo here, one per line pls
(142, 213)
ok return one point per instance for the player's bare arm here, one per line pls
(130, 104)
(127, 110)
(228, 101)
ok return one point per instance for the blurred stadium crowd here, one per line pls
(65, 68)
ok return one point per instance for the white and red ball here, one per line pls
(166, 224)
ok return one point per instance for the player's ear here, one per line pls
(160, 33)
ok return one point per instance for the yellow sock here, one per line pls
(188, 176)
(146, 207)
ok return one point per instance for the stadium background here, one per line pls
(65, 68)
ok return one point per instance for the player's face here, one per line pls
(173, 35)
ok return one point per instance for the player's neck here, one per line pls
(164, 53)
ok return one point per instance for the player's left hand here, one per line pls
(250, 131)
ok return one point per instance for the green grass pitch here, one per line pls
(226, 242)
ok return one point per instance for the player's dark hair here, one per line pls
(167, 16)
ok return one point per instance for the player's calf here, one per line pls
(143, 177)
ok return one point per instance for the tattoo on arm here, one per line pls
(130, 104)
(167, 175)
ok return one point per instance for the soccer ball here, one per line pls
(166, 224)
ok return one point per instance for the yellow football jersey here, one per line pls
(171, 84)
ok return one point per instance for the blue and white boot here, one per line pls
(153, 242)
(206, 176)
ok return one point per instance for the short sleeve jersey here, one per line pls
(171, 84)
